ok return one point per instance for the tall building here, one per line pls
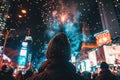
(90, 15)
(4, 7)
(92, 24)
(110, 16)
(116, 4)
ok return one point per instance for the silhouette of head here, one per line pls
(104, 65)
(58, 48)
(4, 67)
(10, 71)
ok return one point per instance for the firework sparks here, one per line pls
(60, 13)
(63, 18)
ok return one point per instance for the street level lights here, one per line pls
(20, 16)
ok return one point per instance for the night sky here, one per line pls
(45, 18)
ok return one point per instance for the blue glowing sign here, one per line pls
(22, 61)
(23, 55)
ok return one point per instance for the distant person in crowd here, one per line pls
(28, 73)
(87, 75)
(57, 66)
(82, 76)
(9, 74)
(3, 72)
(105, 73)
(94, 75)
(19, 76)
(6, 73)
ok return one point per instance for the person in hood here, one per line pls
(57, 66)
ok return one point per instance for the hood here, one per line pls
(59, 48)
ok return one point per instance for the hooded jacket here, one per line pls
(59, 48)
(57, 66)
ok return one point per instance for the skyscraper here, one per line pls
(91, 20)
(4, 7)
(109, 12)
(90, 15)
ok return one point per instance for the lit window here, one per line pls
(116, 5)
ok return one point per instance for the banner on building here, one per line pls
(92, 57)
(112, 54)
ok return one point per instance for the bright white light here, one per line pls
(24, 44)
(63, 19)
(20, 16)
(105, 39)
(73, 59)
(23, 52)
(28, 38)
(6, 58)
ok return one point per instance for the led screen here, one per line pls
(23, 52)
(22, 61)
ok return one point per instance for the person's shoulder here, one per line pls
(114, 77)
(78, 77)
(109, 76)
(40, 76)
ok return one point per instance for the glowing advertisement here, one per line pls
(23, 52)
(23, 55)
(22, 61)
(100, 55)
(24, 44)
(103, 38)
(92, 57)
(112, 54)
(22, 58)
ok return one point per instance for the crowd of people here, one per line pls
(57, 66)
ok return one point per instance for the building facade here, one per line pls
(90, 14)
(109, 12)
(4, 7)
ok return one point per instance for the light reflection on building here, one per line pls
(4, 7)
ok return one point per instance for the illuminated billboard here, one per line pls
(103, 38)
(24, 44)
(23, 52)
(22, 61)
(92, 57)
(112, 54)
(23, 55)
